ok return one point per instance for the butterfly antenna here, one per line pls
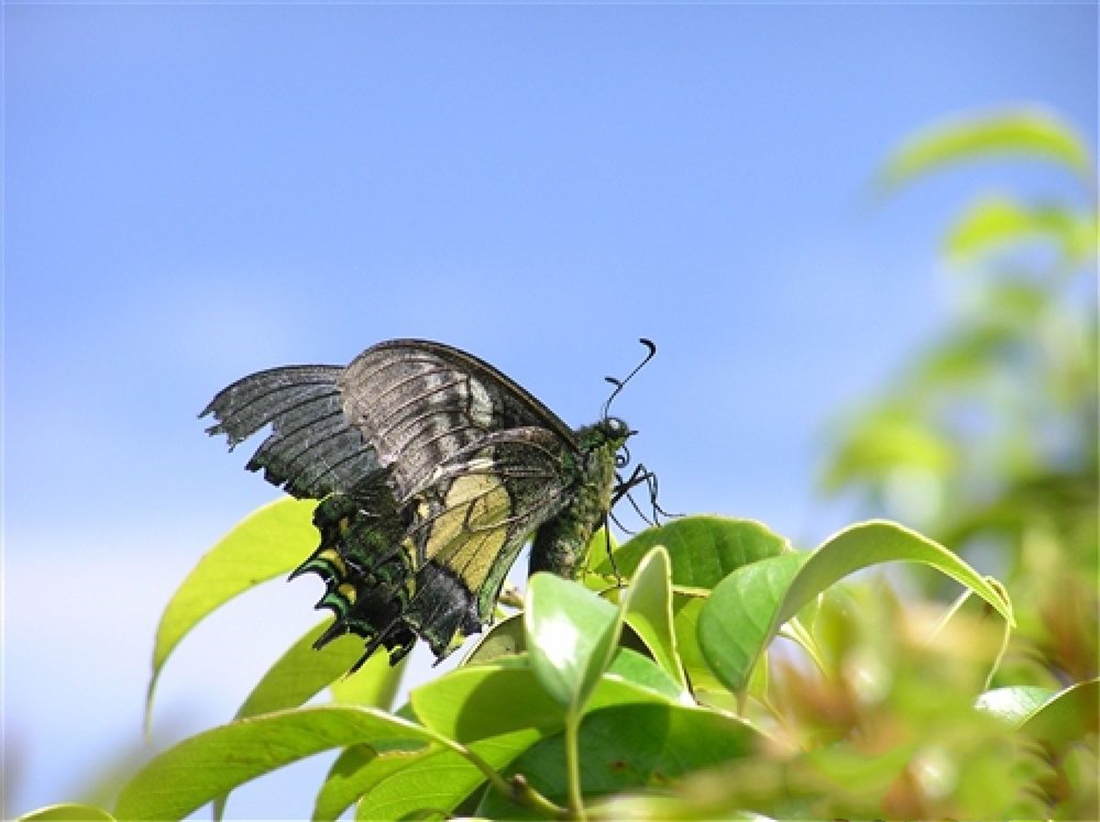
(652, 351)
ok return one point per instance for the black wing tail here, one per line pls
(313, 450)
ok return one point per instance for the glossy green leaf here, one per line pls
(270, 542)
(748, 608)
(703, 549)
(1031, 133)
(571, 637)
(67, 812)
(211, 764)
(735, 626)
(647, 608)
(629, 747)
(435, 784)
(481, 701)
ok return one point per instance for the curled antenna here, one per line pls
(652, 350)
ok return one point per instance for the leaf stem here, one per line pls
(515, 788)
(573, 765)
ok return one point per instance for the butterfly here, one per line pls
(433, 470)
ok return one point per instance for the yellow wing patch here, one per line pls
(472, 529)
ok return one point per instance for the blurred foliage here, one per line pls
(706, 669)
(987, 440)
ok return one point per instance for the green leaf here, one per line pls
(1025, 132)
(629, 747)
(703, 549)
(67, 812)
(732, 639)
(647, 606)
(355, 772)
(268, 543)
(477, 702)
(735, 626)
(303, 672)
(435, 784)
(571, 637)
(884, 440)
(504, 640)
(375, 685)
(1067, 717)
(1014, 704)
(995, 222)
(211, 764)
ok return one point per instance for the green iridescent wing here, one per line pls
(434, 469)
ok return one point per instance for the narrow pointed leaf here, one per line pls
(302, 672)
(355, 772)
(209, 765)
(268, 543)
(647, 605)
(996, 222)
(1028, 132)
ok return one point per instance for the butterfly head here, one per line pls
(615, 433)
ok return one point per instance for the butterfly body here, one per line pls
(433, 470)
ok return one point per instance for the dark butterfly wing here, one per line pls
(419, 403)
(313, 448)
(434, 468)
(405, 404)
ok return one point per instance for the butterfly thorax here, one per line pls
(560, 543)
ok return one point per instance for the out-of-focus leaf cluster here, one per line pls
(987, 441)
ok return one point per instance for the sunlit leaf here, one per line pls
(268, 543)
(303, 672)
(996, 222)
(1032, 133)
(481, 701)
(211, 764)
(1068, 716)
(1013, 704)
(571, 637)
(67, 812)
(353, 773)
(436, 783)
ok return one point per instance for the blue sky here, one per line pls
(195, 192)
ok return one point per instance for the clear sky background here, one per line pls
(195, 192)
